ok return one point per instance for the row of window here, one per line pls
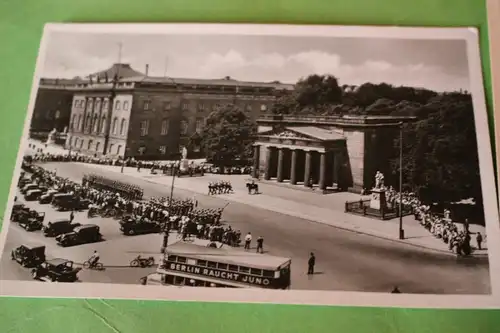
(201, 106)
(119, 105)
(165, 124)
(97, 125)
(80, 143)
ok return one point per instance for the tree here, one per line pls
(228, 136)
(313, 95)
(440, 152)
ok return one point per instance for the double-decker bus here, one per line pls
(188, 264)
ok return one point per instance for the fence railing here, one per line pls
(362, 207)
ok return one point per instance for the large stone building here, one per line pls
(52, 106)
(153, 117)
(341, 152)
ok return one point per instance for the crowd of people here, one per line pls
(440, 225)
(181, 215)
(166, 167)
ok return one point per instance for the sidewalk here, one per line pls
(326, 209)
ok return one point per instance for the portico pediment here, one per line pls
(302, 133)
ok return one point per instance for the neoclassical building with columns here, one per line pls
(330, 153)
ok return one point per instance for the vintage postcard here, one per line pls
(255, 163)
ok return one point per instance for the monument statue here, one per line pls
(51, 137)
(379, 180)
(184, 153)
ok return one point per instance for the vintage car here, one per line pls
(56, 270)
(47, 197)
(87, 233)
(33, 195)
(27, 187)
(66, 201)
(58, 227)
(23, 181)
(131, 226)
(22, 214)
(29, 255)
(32, 223)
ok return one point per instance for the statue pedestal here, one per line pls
(184, 164)
(378, 199)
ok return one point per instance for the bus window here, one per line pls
(172, 258)
(202, 263)
(212, 264)
(268, 274)
(254, 271)
(244, 269)
(222, 266)
(233, 268)
(182, 260)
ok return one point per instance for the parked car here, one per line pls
(27, 187)
(56, 270)
(59, 227)
(29, 255)
(33, 195)
(23, 181)
(23, 214)
(47, 197)
(130, 226)
(65, 201)
(87, 233)
(32, 223)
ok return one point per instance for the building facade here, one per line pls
(341, 153)
(153, 118)
(52, 106)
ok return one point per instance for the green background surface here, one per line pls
(21, 24)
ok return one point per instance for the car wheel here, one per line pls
(34, 274)
(151, 262)
(99, 266)
(86, 264)
(134, 263)
(131, 232)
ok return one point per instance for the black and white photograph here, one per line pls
(339, 160)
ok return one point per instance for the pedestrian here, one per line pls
(71, 217)
(260, 244)
(479, 240)
(248, 240)
(310, 264)
(396, 290)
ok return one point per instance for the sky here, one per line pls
(440, 65)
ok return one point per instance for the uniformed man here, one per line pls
(310, 264)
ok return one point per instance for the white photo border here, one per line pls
(139, 292)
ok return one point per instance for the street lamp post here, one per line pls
(401, 230)
(166, 232)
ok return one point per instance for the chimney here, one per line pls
(147, 69)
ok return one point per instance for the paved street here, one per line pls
(345, 260)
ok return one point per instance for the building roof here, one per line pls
(317, 133)
(216, 82)
(120, 70)
(227, 255)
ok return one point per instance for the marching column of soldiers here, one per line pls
(220, 187)
(128, 191)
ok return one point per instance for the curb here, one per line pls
(445, 252)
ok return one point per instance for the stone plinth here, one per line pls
(378, 199)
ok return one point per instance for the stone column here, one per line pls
(293, 169)
(307, 169)
(281, 155)
(336, 166)
(267, 173)
(256, 159)
(322, 171)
